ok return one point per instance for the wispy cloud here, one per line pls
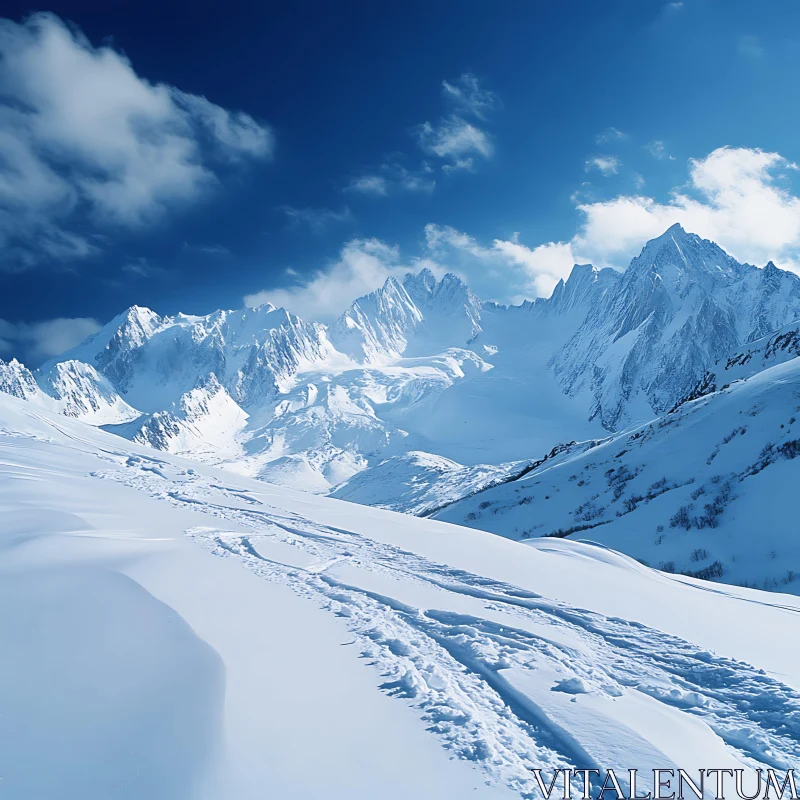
(87, 142)
(393, 176)
(657, 149)
(607, 165)
(369, 184)
(317, 219)
(34, 342)
(141, 267)
(750, 46)
(469, 96)
(454, 137)
(513, 269)
(466, 164)
(454, 141)
(207, 249)
(610, 135)
(457, 137)
(362, 266)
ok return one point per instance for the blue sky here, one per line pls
(175, 156)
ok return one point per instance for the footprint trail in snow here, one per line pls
(502, 676)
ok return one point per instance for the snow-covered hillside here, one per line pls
(707, 489)
(182, 633)
(421, 393)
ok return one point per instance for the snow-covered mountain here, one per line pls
(421, 393)
(681, 305)
(72, 388)
(190, 634)
(706, 490)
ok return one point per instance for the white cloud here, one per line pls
(611, 135)
(734, 196)
(363, 266)
(453, 137)
(84, 135)
(657, 149)
(507, 271)
(317, 219)
(607, 165)
(466, 164)
(369, 184)
(469, 96)
(393, 175)
(34, 342)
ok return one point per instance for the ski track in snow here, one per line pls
(450, 665)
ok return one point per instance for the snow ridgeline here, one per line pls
(418, 366)
(201, 635)
(421, 395)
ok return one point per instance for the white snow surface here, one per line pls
(418, 366)
(177, 631)
(707, 489)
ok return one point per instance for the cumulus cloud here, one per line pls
(507, 270)
(86, 139)
(35, 342)
(607, 165)
(737, 197)
(363, 266)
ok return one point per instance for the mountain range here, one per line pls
(424, 398)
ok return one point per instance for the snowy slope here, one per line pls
(776, 347)
(707, 489)
(186, 633)
(420, 387)
(420, 483)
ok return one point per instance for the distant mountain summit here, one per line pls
(419, 377)
(682, 304)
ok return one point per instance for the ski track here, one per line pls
(449, 665)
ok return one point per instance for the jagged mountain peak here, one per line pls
(681, 304)
(420, 285)
(678, 258)
(17, 380)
